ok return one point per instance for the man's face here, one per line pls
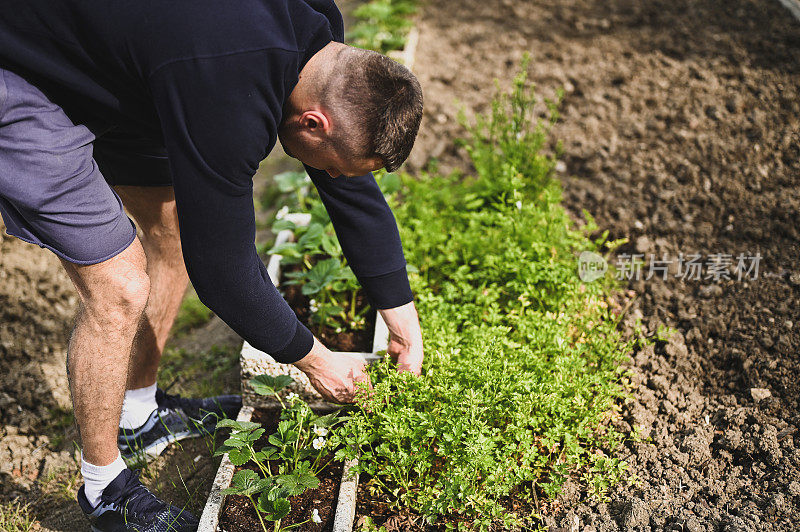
(321, 155)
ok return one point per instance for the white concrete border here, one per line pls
(210, 518)
(793, 6)
(250, 357)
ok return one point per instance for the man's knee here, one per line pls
(114, 293)
(130, 290)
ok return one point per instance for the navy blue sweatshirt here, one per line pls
(207, 79)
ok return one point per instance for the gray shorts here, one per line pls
(52, 192)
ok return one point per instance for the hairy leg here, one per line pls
(113, 295)
(153, 208)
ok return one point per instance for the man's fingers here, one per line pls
(402, 368)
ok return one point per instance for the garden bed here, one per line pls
(334, 498)
(238, 515)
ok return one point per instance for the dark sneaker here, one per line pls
(207, 410)
(126, 505)
(175, 419)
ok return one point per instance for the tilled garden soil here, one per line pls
(680, 129)
(680, 124)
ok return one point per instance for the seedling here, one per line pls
(324, 275)
(290, 462)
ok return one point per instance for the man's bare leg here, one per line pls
(113, 295)
(153, 208)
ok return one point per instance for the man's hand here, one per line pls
(405, 337)
(333, 375)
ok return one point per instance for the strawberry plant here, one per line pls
(322, 274)
(322, 271)
(291, 460)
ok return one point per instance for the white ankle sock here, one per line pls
(137, 407)
(96, 478)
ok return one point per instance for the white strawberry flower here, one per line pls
(519, 205)
(318, 443)
(292, 397)
(282, 212)
(315, 516)
(320, 431)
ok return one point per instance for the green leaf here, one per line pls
(237, 425)
(319, 214)
(239, 456)
(291, 484)
(265, 454)
(287, 249)
(389, 183)
(269, 385)
(330, 245)
(326, 421)
(222, 449)
(255, 435)
(291, 181)
(235, 442)
(312, 238)
(308, 480)
(245, 482)
(273, 508)
(281, 225)
(281, 509)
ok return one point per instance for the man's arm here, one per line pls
(368, 233)
(215, 137)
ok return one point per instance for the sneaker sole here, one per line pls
(154, 450)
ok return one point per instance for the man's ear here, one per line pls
(315, 121)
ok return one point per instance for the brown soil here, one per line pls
(238, 514)
(359, 341)
(680, 130)
(680, 126)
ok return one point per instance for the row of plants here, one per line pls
(521, 381)
(278, 465)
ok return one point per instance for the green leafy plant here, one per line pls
(382, 25)
(294, 188)
(291, 460)
(323, 273)
(521, 380)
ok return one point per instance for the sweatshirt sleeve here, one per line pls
(368, 233)
(218, 116)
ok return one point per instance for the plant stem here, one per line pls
(353, 314)
(266, 471)
(296, 525)
(255, 507)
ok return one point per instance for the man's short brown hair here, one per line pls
(379, 101)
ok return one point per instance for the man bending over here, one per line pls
(166, 108)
